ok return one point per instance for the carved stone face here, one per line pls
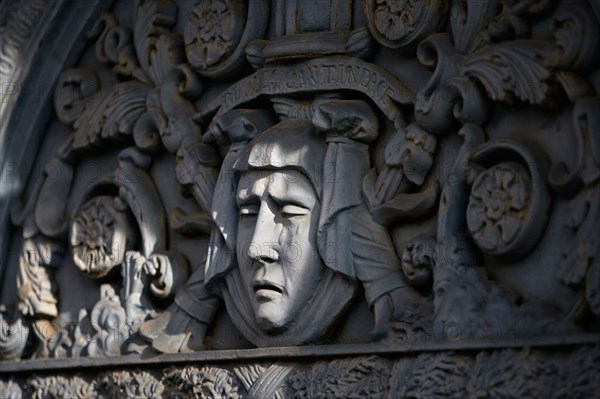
(277, 241)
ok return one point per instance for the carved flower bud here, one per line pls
(353, 119)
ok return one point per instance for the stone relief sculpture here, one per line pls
(361, 172)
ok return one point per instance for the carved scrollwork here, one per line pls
(74, 86)
(577, 34)
(168, 272)
(158, 49)
(114, 46)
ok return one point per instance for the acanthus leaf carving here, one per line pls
(204, 382)
(518, 67)
(502, 372)
(157, 49)
(580, 260)
(467, 19)
(496, 373)
(110, 116)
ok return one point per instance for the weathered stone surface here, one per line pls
(196, 177)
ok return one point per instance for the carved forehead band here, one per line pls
(291, 144)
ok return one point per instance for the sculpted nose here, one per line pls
(263, 247)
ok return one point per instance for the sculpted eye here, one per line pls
(248, 211)
(288, 211)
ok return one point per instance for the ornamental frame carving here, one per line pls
(373, 198)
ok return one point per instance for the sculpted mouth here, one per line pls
(266, 290)
(267, 285)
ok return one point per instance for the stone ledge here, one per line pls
(296, 353)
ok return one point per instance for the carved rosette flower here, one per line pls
(213, 31)
(498, 205)
(400, 23)
(99, 236)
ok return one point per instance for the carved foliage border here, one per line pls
(487, 374)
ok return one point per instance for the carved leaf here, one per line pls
(467, 19)
(583, 372)
(157, 49)
(438, 375)
(61, 387)
(112, 114)
(580, 262)
(502, 374)
(10, 390)
(517, 68)
(206, 382)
